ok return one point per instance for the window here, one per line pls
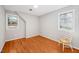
(66, 21)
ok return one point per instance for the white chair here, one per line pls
(66, 42)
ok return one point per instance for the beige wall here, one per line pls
(19, 32)
(2, 27)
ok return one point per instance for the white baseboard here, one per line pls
(56, 40)
(13, 39)
(76, 48)
(49, 38)
(2, 47)
(21, 37)
(32, 36)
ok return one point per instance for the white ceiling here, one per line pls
(41, 10)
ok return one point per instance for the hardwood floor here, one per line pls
(36, 44)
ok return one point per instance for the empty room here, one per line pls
(39, 28)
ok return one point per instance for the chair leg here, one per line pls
(60, 47)
(63, 48)
(71, 48)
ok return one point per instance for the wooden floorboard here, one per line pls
(36, 44)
